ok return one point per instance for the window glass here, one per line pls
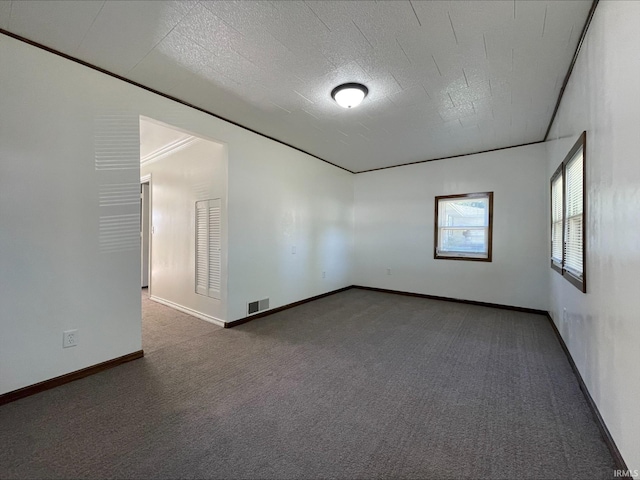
(573, 228)
(556, 219)
(463, 226)
(567, 216)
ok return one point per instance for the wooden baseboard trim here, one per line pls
(456, 300)
(606, 435)
(604, 431)
(240, 321)
(69, 377)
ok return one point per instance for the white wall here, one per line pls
(394, 210)
(60, 267)
(278, 199)
(56, 118)
(197, 171)
(602, 327)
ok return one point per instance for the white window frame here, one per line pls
(570, 243)
(440, 254)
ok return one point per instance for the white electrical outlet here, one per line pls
(293, 250)
(388, 271)
(324, 274)
(69, 338)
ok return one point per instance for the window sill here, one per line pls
(577, 282)
(461, 257)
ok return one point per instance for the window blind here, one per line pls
(556, 219)
(573, 238)
(568, 221)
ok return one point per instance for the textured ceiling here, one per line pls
(444, 78)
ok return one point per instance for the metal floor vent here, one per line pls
(257, 306)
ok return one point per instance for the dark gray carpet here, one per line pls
(163, 326)
(356, 385)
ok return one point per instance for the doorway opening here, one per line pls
(183, 244)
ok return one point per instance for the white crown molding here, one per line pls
(168, 149)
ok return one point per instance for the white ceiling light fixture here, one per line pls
(349, 95)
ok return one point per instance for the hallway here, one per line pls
(163, 326)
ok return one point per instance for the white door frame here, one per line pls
(147, 179)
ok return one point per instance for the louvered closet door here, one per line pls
(208, 248)
(215, 256)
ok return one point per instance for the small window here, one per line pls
(463, 227)
(567, 216)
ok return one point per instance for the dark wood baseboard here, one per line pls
(235, 323)
(456, 300)
(604, 431)
(602, 426)
(69, 377)
(606, 435)
(240, 321)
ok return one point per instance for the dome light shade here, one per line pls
(349, 95)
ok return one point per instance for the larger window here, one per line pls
(463, 226)
(567, 217)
